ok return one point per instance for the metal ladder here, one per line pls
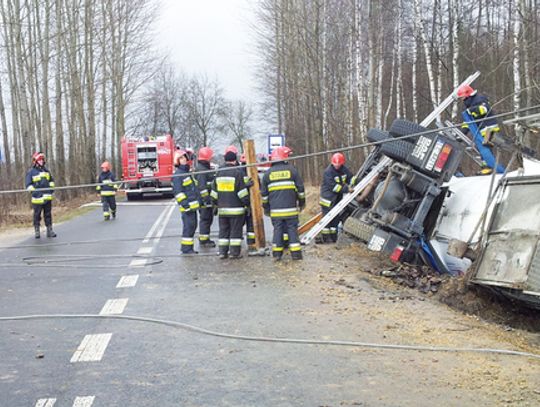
(384, 163)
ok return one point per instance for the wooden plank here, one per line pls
(310, 223)
(255, 195)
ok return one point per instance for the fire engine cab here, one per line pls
(147, 165)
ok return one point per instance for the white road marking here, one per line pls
(91, 348)
(45, 403)
(138, 262)
(127, 281)
(155, 225)
(84, 401)
(115, 306)
(164, 223)
(145, 250)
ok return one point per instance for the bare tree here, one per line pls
(237, 117)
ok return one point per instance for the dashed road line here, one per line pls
(145, 250)
(86, 401)
(127, 281)
(138, 262)
(45, 403)
(91, 348)
(114, 307)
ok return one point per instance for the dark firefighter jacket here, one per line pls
(229, 191)
(480, 110)
(185, 190)
(37, 178)
(204, 183)
(335, 184)
(107, 185)
(282, 191)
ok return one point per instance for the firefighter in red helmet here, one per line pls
(188, 198)
(283, 198)
(107, 190)
(40, 182)
(204, 183)
(336, 180)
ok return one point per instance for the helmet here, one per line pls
(232, 149)
(243, 158)
(464, 91)
(205, 154)
(37, 156)
(106, 166)
(280, 153)
(338, 159)
(177, 155)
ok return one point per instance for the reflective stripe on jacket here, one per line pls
(107, 186)
(282, 191)
(335, 183)
(229, 191)
(38, 178)
(204, 182)
(185, 189)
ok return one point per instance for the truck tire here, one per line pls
(402, 127)
(396, 149)
(355, 227)
(133, 197)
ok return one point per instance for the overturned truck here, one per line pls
(419, 212)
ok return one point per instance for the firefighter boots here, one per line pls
(50, 232)
(296, 255)
(207, 243)
(36, 232)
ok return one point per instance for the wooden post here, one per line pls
(255, 195)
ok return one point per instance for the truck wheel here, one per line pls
(401, 127)
(133, 197)
(396, 149)
(355, 227)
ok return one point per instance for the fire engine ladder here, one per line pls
(384, 163)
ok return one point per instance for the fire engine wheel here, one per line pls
(133, 197)
(355, 227)
(401, 127)
(399, 150)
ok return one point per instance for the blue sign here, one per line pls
(274, 141)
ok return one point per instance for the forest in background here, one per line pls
(332, 69)
(75, 76)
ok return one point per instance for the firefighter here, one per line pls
(188, 198)
(40, 182)
(479, 108)
(231, 197)
(336, 180)
(204, 183)
(250, 229)
(283, 198)
(107, 189)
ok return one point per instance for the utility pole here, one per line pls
(255, 196)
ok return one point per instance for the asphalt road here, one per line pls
(97, 267)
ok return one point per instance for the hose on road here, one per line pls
(196, 329)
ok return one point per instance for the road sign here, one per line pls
(274, 141)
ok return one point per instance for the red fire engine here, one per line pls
(147, 165)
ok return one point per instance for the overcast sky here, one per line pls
(212, 37)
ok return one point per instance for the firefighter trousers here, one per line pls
(189, 226)
(230, 234)
(46, 208)
(250, 230)
(330, 232)
(109, 206)
(287, 226)
(206, 217)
